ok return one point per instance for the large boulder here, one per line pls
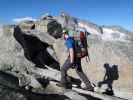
(35, 50)
(27, 25)
(13, 47)
(90, 27)
(11, 52)
(66, 20)
(49, 25)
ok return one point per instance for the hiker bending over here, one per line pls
(73, 61)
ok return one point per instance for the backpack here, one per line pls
(114, 72)
(80, 42)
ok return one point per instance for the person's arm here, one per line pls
(71, 53)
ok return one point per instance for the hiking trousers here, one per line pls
(77, 66)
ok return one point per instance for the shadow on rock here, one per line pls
(88, 97)
(35, 96)
(35, 50)
(9, 86)
(111, 74)
(9, 79)
(28, 95)
(43, 82)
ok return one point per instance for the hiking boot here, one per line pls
(109, 92)
(99, 84)
(89, 88)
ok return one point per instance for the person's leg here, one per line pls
(83, 76)
(110, 82)
(109, 90)
(64, 69)
(102, 83)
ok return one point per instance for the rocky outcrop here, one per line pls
(49, 25)
(12, 54)
(66, 20)
(9, 84)
(7, 29)
(27, 25)
(36, 53)
(90, 27)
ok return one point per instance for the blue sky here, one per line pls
(101, 12)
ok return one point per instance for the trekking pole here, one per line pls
(87, 48)
(88, 58)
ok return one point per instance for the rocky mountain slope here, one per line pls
(107, 45)
(112, 45)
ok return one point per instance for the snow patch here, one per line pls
(17, 20)
(88, 29)
(113, 35)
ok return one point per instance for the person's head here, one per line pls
(106, 65)
(65, 34)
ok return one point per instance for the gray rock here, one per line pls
(90, 27)
(75, 96)
(46, 16)
(50, 26)
(12, 54)
(35, 50)
(27, 25)
(66, 20)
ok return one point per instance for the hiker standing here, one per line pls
(73, 61)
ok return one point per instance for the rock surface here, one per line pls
(50, 25)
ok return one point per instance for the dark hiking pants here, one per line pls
(79, 71)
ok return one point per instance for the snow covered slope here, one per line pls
(116, 33)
